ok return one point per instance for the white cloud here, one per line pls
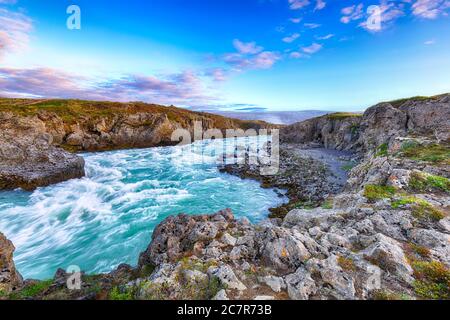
(247, 47)
(326, 37)
(430, 9)
(352, 13)
(298, 4)
(315, 47)
(296, 55)
(295, 20)
(15, 29)
(312, 25)
(320, 4)
(429, 42)
(291, 38)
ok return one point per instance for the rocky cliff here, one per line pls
(386, 235)
(37, 136)
(423, 116)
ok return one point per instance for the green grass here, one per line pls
(119, 295)
(33, 290)
(348, 167)
(344, 115)
(432, 280)
(398, 103)
(420, 208)
(423, 182)
(79, 111)
(435, 153)
(327, 204)
(382, 150)
(377, 192)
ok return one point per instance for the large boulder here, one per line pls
(179, 235)
(10, 278)
(282, 249)
(29, 158)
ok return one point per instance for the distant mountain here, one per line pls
(275, 117)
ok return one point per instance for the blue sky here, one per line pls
(214, 54)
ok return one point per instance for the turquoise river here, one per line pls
(107, 218)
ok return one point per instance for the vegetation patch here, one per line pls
(376, 192)
(327, 204)
(387, 295)
(32, 290)
(192, 264)
(346, 264)
(423, 182)
(435, 153)
(382, 150)
(432, 280)
(420, 208)
(117, 294)
(344, 115)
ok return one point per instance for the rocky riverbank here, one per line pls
(37, 137)
(385, 234)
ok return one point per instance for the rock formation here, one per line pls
(36, 135)
(385, 235)
(10, 279)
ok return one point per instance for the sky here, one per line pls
(277, 55)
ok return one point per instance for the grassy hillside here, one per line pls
(71, 111)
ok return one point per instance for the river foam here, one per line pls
(107, 218)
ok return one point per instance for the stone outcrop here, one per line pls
(35, 135)
(385, 236)
(378, 125)
(336, 131)
(10, 279)
(28, 157)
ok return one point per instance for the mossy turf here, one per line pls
(377, 192)
(434, 153)
(422, 182)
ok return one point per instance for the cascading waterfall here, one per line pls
(107, 218)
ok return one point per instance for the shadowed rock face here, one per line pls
(29, 160)
(379, 124)
(9, 277)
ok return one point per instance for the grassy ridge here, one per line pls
(71, 111)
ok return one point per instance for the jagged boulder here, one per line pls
(10, 278)
(28, 157)
(178, 235)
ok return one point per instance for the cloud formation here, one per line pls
(430, 9)
(352, 13)
(250, 56)
(298, 4)
(15, 31)
(315, 47)
(291, 38)
(183, 88)
(320, 4)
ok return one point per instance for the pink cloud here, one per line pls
(315, 47)
(430, 9)
(291, 38)
(312, 25)
(351, 13)
(298, 4)
(320, 4)
(246, 48)
(15, 31)
(183, 88)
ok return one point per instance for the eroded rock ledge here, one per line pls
(36, 135)
(385, 236)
